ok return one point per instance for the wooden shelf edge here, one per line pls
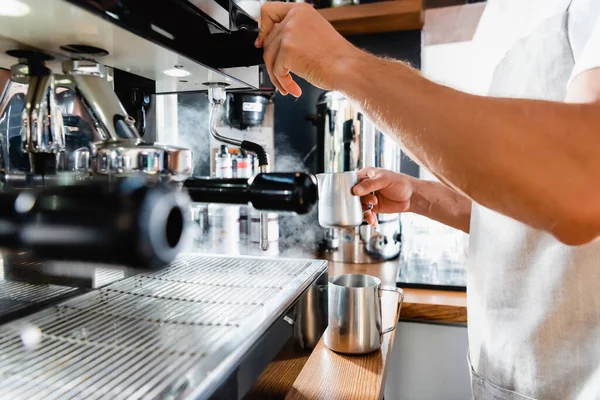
(383, 16)
(433, 313)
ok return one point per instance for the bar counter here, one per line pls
(324, 374)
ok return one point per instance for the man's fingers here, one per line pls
(282, 74)
(274, 35)
(272, 46)
(370, 185)
(269, 55)
(368, 172)
(271, 13)
(371, 218)
(368, 202)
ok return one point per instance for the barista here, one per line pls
(519, 171)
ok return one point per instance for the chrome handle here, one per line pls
(400, 293)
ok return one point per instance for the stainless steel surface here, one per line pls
(213, 10)
(42, 124)
(310, 314)
(111, 117)
(177, 333)
(81, 160)
(18, 296)
(383, 241)
(342, 124)
(27, 269)
(11, 107)
(124, 158)
(338, 206)
(348, 246)
(355, 313)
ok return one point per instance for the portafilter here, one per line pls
(130, 222)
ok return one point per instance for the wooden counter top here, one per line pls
(295, 374)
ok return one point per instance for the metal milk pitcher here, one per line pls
(355, 313)
(338, 206)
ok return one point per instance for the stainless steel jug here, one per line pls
(355, 313)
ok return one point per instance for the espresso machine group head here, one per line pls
(73, 124)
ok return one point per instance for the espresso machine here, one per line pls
(86, 187)
(348, 141)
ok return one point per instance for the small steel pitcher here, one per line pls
(355, 313)
(338, 206)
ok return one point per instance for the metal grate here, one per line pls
(175, 331)
(16, 296)
(61, 273)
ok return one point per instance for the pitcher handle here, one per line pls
(400, 293)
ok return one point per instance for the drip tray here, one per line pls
(16, 298)
(176, 333)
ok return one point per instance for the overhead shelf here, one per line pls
(384, 16)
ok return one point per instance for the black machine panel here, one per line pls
(204, 31)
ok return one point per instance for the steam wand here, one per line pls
(217, 97)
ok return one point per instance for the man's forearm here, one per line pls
(531, 160)
(438, 202)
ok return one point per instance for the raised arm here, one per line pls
(535, 161)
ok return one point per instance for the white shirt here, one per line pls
(534, 303)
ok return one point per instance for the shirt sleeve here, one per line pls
(589, 57)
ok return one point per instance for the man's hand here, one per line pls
(390, 192)
(385, 191)
(296, 38)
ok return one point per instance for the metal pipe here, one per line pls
(212, 126)
(264, 220)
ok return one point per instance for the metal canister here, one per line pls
(223, 163)
(198, 214)
(224, 228)
(244, 165)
